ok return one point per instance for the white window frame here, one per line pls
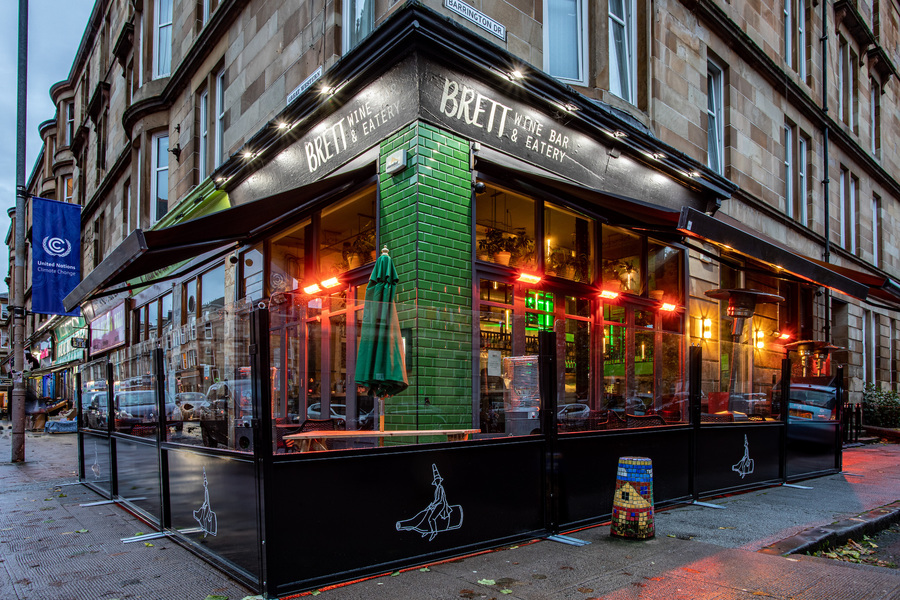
(715, 134)
(868, 342)
(802, 180)
(220, 118)
(874, 116)
(788, 33)
(876, 230)
(126, 218)
(628, 24)
(68, 188)
(801, 39)
(854, 212)
(788, 168)
(70, 122)
(843, 58)
(156, 171)
(162, 24)
(842, 188)
(581, 44)
(203, 136)
(348, 12)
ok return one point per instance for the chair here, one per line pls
(321, 425)
(144, 430)
(644, 421)
(717, 418)
(614, 421)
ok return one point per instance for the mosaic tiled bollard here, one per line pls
(632, 515)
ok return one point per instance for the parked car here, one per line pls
(573, 415)
(190, 403)
(339, 411)
(138, 407)
(224, 397)
(94, 410)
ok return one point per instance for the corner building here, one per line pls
(611, 223)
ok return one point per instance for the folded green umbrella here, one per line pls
(380, 359)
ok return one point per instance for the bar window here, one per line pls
(347, 235)
(505, 229)
(569, 244)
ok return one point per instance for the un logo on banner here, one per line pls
(55, 246)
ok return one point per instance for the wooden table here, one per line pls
(316, 439)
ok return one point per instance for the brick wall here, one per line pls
(426, 223)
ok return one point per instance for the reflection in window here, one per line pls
(563, 39)
(504, 228)
(347, 235)
(622, 59)
(622, 252)
(252, 274)
(568, 244)
(665, 272)
(359, 19)
(287, 259)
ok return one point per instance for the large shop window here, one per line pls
(623, 320)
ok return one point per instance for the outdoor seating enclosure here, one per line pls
(243, 434)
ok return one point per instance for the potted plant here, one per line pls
(522, 247)
(494, 245)
(362, 249)
(557, 260)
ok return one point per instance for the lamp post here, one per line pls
(18, 304)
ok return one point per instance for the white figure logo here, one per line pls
(55, 246)
(438, 516)
(95, 468)
(205, 515)
(745, 466)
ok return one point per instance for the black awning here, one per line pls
(749, 243)
(615, 209)
(143, 252)
(881, 287)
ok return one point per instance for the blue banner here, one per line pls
(56, 255)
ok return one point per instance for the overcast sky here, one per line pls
(55, 28)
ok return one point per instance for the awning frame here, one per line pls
(699, 225)
(143, 252)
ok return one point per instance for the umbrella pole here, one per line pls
(380, 401)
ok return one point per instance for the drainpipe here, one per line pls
(826, 181)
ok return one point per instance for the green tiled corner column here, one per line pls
(426, 223)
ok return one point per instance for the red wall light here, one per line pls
(529, 278)
(609, 295)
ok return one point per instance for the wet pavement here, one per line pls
(53, 547)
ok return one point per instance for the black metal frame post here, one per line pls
(548, 385)
(785, 407)
(159, 364)
(78, 425)
(111, 427)
(262, 431)
(695, 369)
(839, 436)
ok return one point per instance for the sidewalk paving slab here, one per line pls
(52, 548)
